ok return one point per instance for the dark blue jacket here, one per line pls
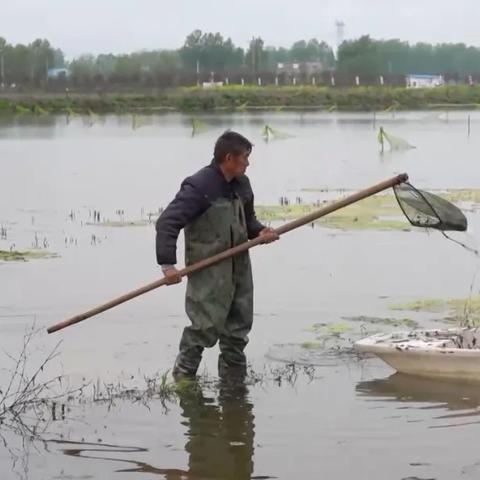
(195, 196)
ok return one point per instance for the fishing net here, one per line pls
(395, 143)
(198, 126)
(242, 107)
(69, 114)
(38, 110)
(92, 118)
(269, 133)
(139, 121)
(424, 209)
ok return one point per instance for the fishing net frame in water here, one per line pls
(421, 204)
(396, 143)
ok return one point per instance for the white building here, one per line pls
(57, 73)
(212, 84)
(424, 81)
(309, 68)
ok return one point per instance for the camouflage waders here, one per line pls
(219, 300)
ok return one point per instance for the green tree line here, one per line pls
(200, 53)
(28, 63)
(204, 52)
(366, 56)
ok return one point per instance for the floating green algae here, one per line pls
(379, 212)
(120, 223)
(463, 311)
(24, 256)
(428, 305)
(393, 322)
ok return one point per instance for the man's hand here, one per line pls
(268, 235)
(171, 274)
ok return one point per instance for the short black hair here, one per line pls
(230, 142)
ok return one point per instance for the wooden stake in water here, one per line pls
(468, 126)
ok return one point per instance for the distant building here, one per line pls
(308, 68)
(57, 73)
(212, 84)
(424, 81)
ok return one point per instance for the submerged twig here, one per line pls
(27, 393)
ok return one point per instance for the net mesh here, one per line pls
(269, 133)
(198, 126)
(395, 143)
(424, 209)
(139, 121)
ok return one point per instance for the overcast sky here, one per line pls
(103, 26)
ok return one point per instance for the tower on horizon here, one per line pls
(340, 26)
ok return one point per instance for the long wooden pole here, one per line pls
(207, 262)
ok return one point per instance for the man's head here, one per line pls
(231, 153)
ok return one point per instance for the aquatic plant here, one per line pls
(120, 223)
(26, 389)
(462, 311)
(390, 321)
(379, 212)
(236, 97)
(24, 256)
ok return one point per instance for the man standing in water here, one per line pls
(215, 208)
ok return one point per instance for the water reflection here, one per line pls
(220, 435)
(464, 398)
(28, 120)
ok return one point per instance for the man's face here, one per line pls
(237, 164)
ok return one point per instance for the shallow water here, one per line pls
(352, 420)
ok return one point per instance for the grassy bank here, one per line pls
(237, 98)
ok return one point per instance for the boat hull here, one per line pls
(427, 353)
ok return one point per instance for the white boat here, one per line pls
(452, 353)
